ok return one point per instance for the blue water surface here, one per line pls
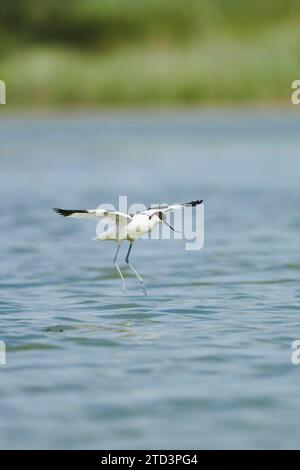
(204, 361)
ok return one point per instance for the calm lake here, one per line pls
(204, 361)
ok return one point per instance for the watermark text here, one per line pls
(2, 92)
(295, 97)
(171, 222)
(2, 353)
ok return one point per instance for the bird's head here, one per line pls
(162, 218)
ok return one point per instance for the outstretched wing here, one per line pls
(168, 208)
(109, 217)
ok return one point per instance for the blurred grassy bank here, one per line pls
(124, 52)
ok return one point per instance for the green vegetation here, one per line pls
(149, 52)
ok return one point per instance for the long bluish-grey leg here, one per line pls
(138, 276)
(119, 270)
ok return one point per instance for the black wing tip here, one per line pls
(193, 203)
(68, 212)
(62, 212)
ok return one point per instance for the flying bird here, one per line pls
(128, 227)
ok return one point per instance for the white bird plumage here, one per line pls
(128, 227)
